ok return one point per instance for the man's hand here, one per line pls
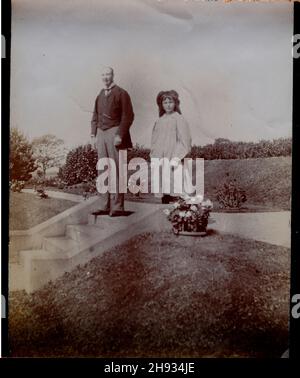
(93, 141)
(175, 162)
(117, 140)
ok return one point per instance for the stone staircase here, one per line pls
(77, 244)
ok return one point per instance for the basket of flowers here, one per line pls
(189, 215)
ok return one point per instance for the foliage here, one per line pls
(139, 152)
(189, 214)
(88, 188)
(80, 166)
(54, 182)
(21, 162)
(230, 195)
(226, 149)
(42, 193)
(49, 152)
(16, 185)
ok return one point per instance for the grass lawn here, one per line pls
(27, 210)
(159, 295)
(267, 181)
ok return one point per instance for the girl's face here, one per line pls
(168, 105)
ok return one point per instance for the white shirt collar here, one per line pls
(110, 87)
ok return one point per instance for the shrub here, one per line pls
(16, 185)
(60, 185)
(230, 195)
(51, 181)
(80, 166)
(40, 180)
(88, 188)
(226, 149)
(140, 152)
(21, 160)
(42, 193)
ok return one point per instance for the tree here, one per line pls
(21, 162)
(49, 152)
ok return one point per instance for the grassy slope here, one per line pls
(159, 295)
(27, 210)
(267, 181)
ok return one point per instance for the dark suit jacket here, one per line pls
(114, 110)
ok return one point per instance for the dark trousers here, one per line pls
(106, 149)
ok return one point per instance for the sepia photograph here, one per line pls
(150, 179)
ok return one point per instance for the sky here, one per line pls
(231, 64)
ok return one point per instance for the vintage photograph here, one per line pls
(150, 178)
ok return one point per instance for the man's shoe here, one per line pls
(101, 212)
(116, 213)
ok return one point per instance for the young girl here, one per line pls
(171, 137)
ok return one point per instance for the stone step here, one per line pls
(14, 259)
(40, 266)
(81, 242)
(40, 254)
(79, 232)
(63, 244)
(107, 222)
(16, 276)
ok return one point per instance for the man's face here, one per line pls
(107, 77)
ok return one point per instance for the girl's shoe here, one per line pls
(166, 198)
(174, 198)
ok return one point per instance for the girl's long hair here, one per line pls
(167, 94)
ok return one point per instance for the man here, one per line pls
(112, 117)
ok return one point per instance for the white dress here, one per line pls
(171, 138)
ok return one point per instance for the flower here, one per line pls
(195, 200)
(207, 203)
(192, 199)
(198, 198)
(185, 196)
(190, 214)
